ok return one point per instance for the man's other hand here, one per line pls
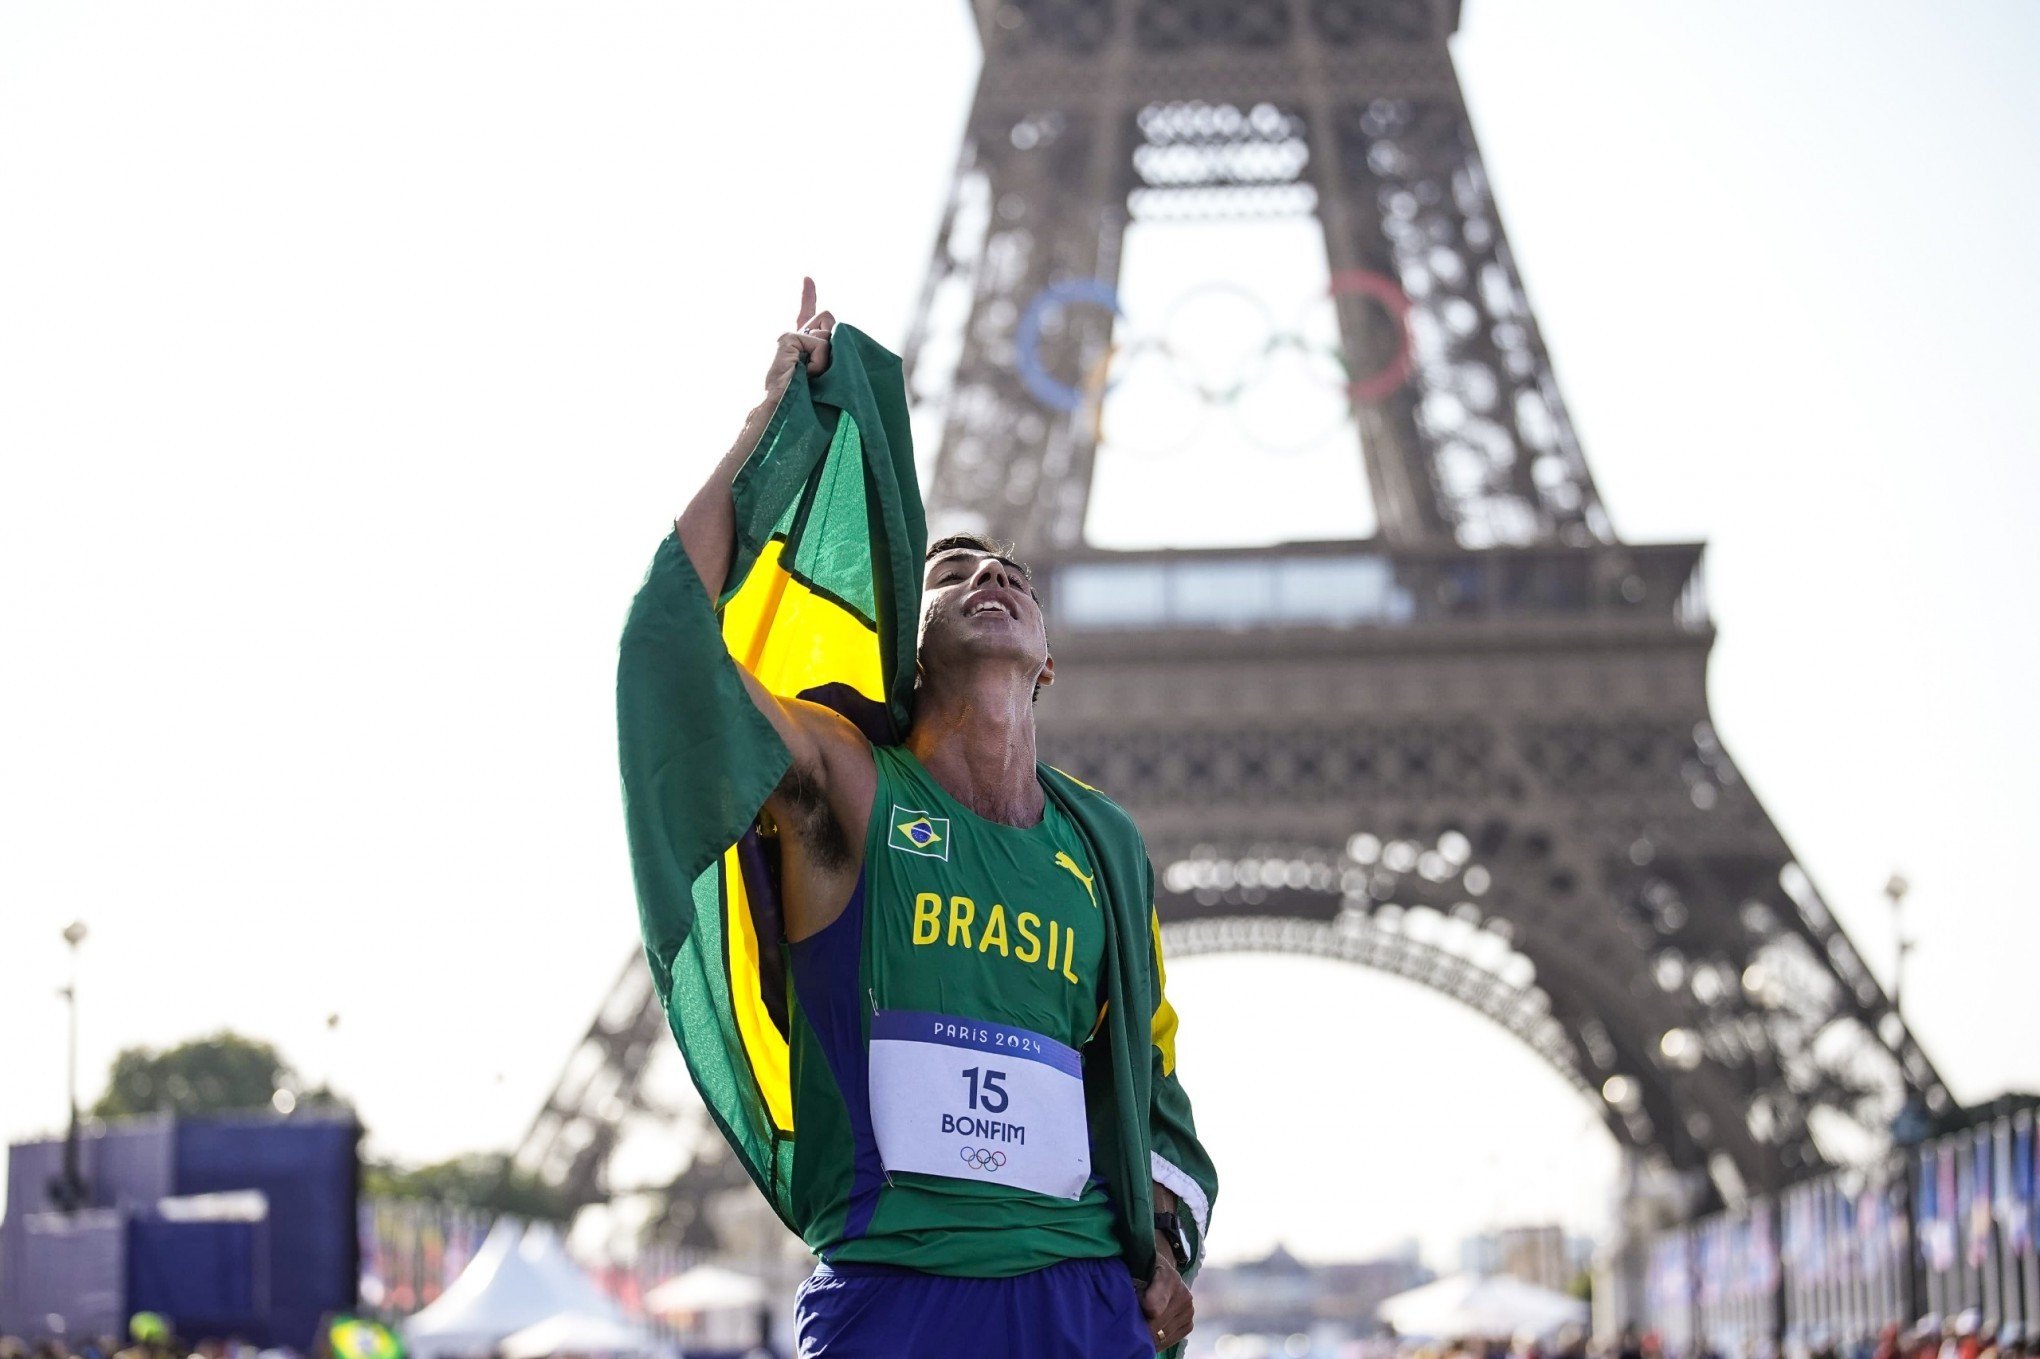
(1166, 1300)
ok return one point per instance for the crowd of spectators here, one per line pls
(153, 1344)
(1965, 1335)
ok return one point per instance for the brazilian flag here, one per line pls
(823, 603)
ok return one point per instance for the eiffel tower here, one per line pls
(1473, 750)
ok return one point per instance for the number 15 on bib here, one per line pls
(972, 1100)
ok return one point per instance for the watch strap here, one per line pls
(1171, 1228)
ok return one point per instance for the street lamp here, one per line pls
(1914, 1121)
(1894, 892)
(70, 1189)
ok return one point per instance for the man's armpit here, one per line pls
(805, 811)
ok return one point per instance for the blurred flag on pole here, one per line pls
(1937, 1207)
(1979, 1197)
(2021, 1224)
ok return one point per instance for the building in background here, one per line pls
(1541, 1255)
(1282, 1295)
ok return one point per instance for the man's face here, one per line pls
(975, 604)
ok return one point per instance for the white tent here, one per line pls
(705, 1288)
(1494, 1306)
(580, 1333)
(520, 1277)
(569, 1282)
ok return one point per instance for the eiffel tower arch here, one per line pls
(1473, 750)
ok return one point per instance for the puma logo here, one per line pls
(1063, 860)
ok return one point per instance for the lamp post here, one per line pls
(71, 1190)
(1913, 1123)
(1894, 892)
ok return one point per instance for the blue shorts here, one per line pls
(1075, 1309)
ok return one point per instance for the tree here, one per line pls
(486, 1180)
(1582, 1286)
(218, 1074)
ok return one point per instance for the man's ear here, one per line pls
(1047, 675)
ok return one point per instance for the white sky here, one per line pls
(353, 357)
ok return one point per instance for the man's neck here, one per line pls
(976, 739)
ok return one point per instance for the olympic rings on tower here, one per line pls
(1240, 368)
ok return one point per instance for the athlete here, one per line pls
(942, 924)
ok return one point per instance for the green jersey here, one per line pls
(991, 936)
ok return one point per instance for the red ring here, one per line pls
(1394, 301)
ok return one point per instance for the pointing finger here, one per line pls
(807, 302)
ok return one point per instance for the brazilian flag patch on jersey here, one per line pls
(917, 832)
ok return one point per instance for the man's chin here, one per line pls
(970, 647)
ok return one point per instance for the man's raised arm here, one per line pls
(823, 800)
(708, 526)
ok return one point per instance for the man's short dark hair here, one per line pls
(977, 542)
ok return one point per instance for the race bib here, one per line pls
(974, 1100)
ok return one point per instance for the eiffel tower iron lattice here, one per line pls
(1474, 751)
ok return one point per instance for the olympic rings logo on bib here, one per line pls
(982, 1158)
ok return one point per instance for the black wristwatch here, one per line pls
(1171, 1228)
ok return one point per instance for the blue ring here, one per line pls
(1043, 385)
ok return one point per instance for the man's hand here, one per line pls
(807, 342)
(1166, 1301)
(707, 527)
